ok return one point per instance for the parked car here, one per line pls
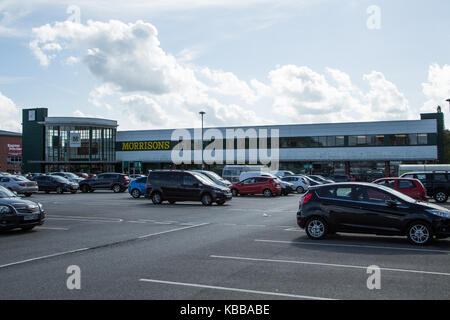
(18, 213)
(58, 184)
(179, 185)
(82, 175)
(340, 178)
(68, 175)
(312, 181)
(215, 177)
(268, 186)
(281, 174)
(118, 182)
(361, 207)
(19, 184)
(437, 183)
(300, 183)
(286, 187)
(137, 187)
(411, 187)
(30, 176)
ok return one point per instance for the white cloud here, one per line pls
(437, 89)
(144, 87)
(11, 115)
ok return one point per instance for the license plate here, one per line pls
(31, 217)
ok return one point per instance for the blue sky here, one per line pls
(244, 62)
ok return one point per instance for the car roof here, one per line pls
(396, 178)
(341, 184)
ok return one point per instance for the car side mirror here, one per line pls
(391, 203)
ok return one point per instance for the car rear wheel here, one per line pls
(267, 193)
(441, 196)
(420, 233)
(116, 188)
(135, 193)
(156, 198)
(300, 189)
(206, 199)
(316, 228)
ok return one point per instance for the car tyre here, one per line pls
(316, 228)
(300, 190)
(156, 198)
(234, 192)
(116, 188)
(420, 233)
(172, 201)
(59, 190)
(135, 193)
(440, 196)
(220, 203)
(267, 193)
(85, 188)
(207, 199)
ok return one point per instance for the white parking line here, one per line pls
(352, 246)
(84, 219)
(42, 257)
(203, 286)
(172, 230)
(329, 265)
(52, 228)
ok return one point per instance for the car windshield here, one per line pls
(396, 193)
(60, 179)
(213, 175)
(5, 193)
(20, 178)
(203, 179)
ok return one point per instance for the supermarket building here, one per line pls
(359, 148)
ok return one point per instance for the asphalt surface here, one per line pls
(250, 248)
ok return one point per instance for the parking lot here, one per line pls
(249, 248)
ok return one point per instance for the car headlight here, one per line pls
(40, 207)
(439, 213)
(5, 210)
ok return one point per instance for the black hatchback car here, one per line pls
(118, 182)
(18, 213)
(58, 184)
(177, 185)
(370, 208)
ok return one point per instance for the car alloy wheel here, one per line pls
(440, 196)
(206, 200)
(116, 188)
(135, 193)
(267, 193)
(419, 233)
(316, 228)
(300, 190)
(156, 198)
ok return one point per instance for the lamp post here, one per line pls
(202, 113)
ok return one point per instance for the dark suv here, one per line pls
(437, 183)
(175, 185)
(118, 182)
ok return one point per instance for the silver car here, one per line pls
(19, 184)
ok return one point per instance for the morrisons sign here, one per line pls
(143, 145)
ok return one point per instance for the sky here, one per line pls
(156, 63)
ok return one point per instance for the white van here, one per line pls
(233, 172)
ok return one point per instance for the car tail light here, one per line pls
(22, 184)
(306, 198)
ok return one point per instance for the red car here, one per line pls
(411, 187)
(256, 185)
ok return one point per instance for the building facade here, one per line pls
(363, 149)
(10, 151)
(70, 144)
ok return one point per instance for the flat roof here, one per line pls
(10, 133)
(80, 121)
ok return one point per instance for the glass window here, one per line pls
(379, 140)
(399, 140)
(322, 141)
(343, 193)
(422, 138)
(412, 138)
(387, 183)
(421, 177)
(189, 180)
(406, 184)
(440, 177)
(340, 141)
(260, 180)
(248, 181)
(331, 141)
